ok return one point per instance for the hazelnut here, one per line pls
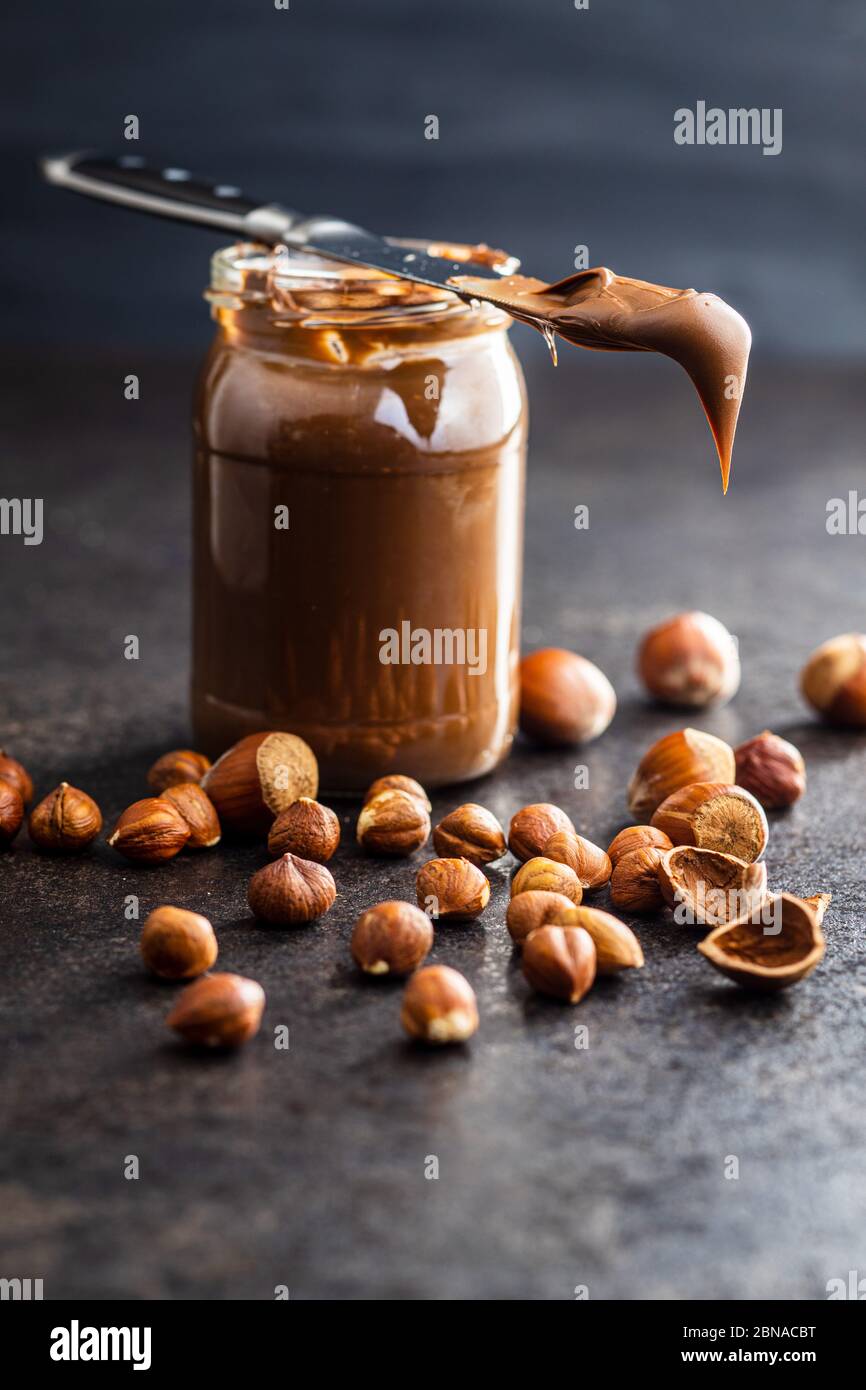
(589, 862)
(690, 659)
(771, 769)
(199, 812)
(66, 820)
(714, 815)
(177, 944)
(306, 828)
(258, 778)
(560, 961)
(547, 876)
(391, 938)
(634, 883)
(11, 813)
(149, 831)
(636, 837)
(17, 776)
(616, 946)
(532, 826)
(220, 1010)
(538, 908)
(180, 765)
(439, 1006)
(563, 697)
(396, 782)
(451, 890)
(706, 887)
(291, 891)
(833, 680)
(776, 945)
(471, 832)
(675, 761)
(393, 822)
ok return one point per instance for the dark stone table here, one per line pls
(558, 1167)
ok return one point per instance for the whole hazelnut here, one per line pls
(180, 765)
(220, 1010)
(11, 813)
(149, 831)
(677, 760)
(771, 769)
(690, 659)
(397, 782)
(714, 815)
(306, 828)
(199, 812)
(532, 826)
(391, 938)
(471, 832)
(439, 1006)
(291, 891)
(258, 778)
(560, 961)
(17, 776)
(636, 837)
(563, 697)
(65, 821)
(177, 944)
(547, 876)
(589, 861)
(537, 908)
(451, 890)
(393, 822)
(634, 883)
(833, 680)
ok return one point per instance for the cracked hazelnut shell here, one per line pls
(707, 888)
(768, 950)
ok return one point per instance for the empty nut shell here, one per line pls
(471, 832)
(773, 947)
(150, 831)
(177, 944)
(393, 822)
(532, 827)
(451, 890)
(391, 938)
(306, 828)
(439, 1006)
(714, 815)
(180, 765)
(707, 888)
(560, 961)
(589, 861)
(199, 812)
(546, 876)
(291, 891)
(65, 821)
(220, 1010)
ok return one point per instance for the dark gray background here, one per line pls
(556, 129)
(558, 1167)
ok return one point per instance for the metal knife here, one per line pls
(174, 192)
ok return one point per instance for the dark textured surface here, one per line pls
(558, 1167)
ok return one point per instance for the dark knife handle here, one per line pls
(170, 192)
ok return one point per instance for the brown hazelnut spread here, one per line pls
(612, 313)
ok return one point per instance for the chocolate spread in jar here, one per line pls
(613, 313)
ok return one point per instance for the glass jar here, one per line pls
(358, 520)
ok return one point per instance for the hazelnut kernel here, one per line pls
(548, 876)
(771, 769)
(391, 938)
(307, 829)
(560, 961)
(471, 832)
(439, 1006)
(149, 831)
(833, 681)
(532, 826)
(397, 782)
(65, 821)
(634, 883)
(199, 812)
(11, 813)
(589, 861)
(221, 1010)
(393, 822)
(563, 697)
(538, 908)
(177, 944)
(291, 891)
(451, 889)
(636, 837)
(17, 776)
(180, 765)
